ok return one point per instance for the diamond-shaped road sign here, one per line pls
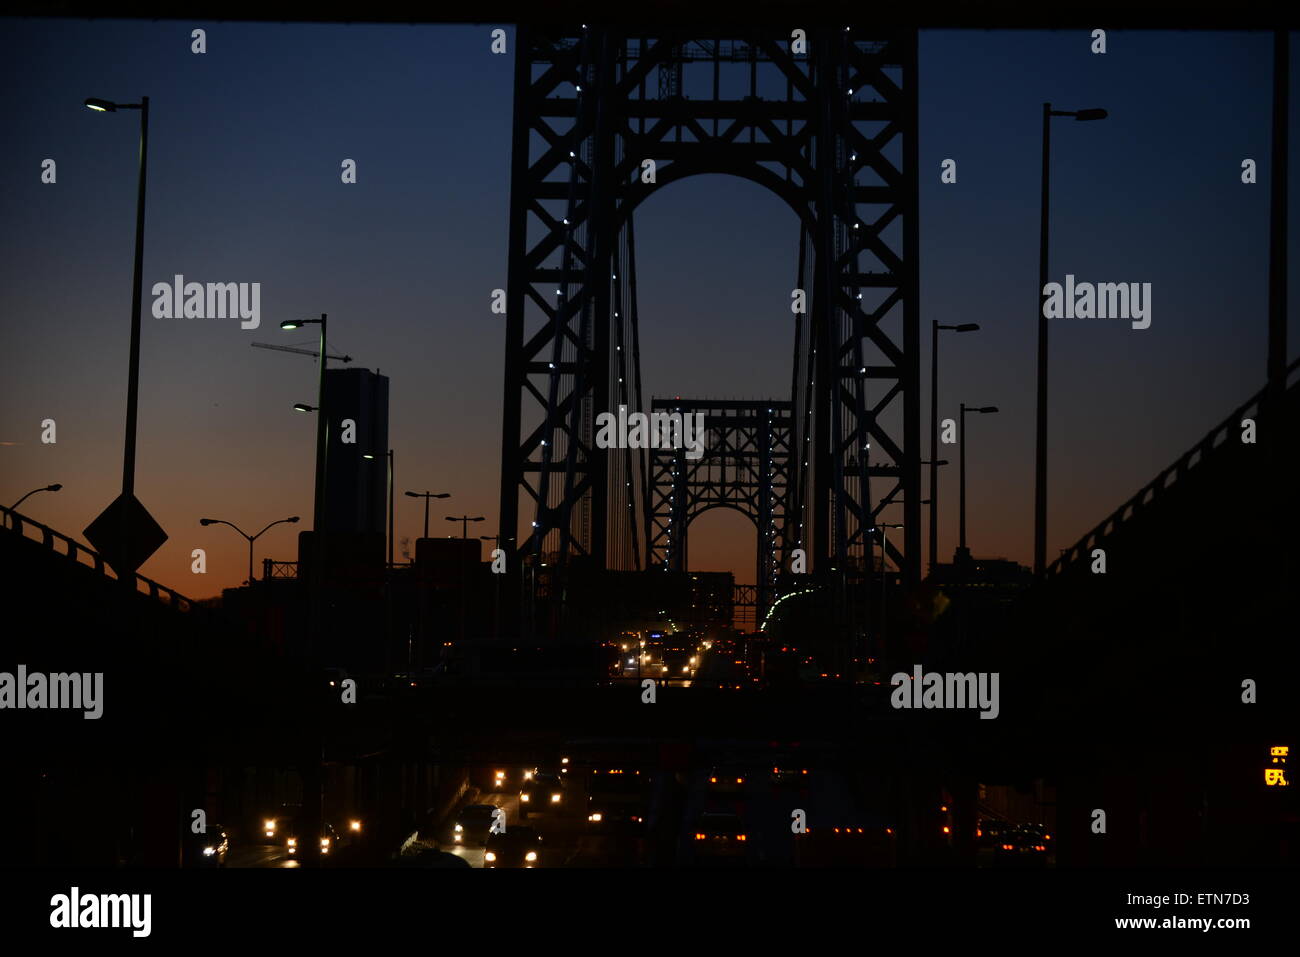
(125, 534)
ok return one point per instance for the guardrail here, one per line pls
(60, 544)
(1081, 550)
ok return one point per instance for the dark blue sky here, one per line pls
(245, 153)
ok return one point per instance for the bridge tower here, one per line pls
(826, 119)
(745, 465)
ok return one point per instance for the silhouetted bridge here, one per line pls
(1131, 676)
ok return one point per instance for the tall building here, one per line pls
(356, 488)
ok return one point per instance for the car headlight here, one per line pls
(209, 851)
(594, 817)
(530, 856)
(555, 799)
(489, 856)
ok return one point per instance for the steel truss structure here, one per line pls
(829, 127)
(745, 465)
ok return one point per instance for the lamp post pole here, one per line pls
(1040, 428)
(43, 488)
(322, 439)
(464, 522)
(133, 380)
(934, 430)
(313, 783)
(962, 551)
(392, 472)
(961, 537)
(1040, 454)
(426, 496)
(251, 538)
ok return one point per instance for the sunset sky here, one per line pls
(246, 143)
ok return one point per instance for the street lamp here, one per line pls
(935, 327)
(1040, 458)
(426, 496)
(318, 519)
(313, 791)
(44, 488)
(133, 375)
(251, 538)
(988, 410)
(464, 522)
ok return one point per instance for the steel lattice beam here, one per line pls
(839, 147)
(746, 466)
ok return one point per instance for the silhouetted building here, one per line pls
(356, 488)
(996, 573)
(446, 561)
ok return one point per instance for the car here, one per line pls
(473, 823)
(681, 660)
(787, 771)
(543, 791)
(858, 844)
(295, 840)
(507, 778)
(617, 797)
(273, 824)
(726, 780)
(1022, 845)
(720, 835)
(517, 846)
(208, 849)
(989, 833)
